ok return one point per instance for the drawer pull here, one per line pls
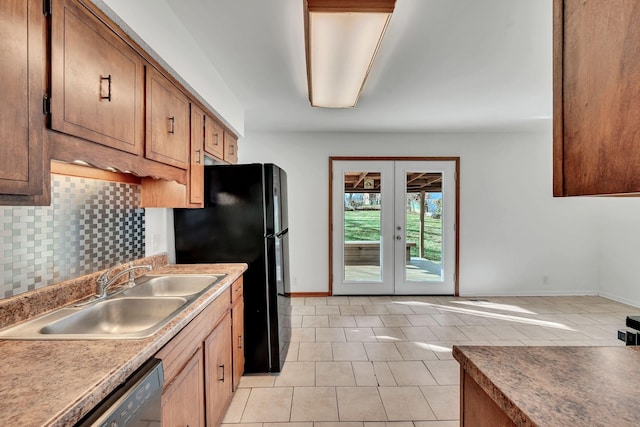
(108, 96)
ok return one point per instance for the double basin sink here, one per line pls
(135, 312)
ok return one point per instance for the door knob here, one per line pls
(398, 237)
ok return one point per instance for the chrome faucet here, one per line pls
(104, 283)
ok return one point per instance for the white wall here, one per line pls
(620, 249)
(158, 26)
(515, 238)
(158, 232)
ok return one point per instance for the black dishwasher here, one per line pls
(136, 403)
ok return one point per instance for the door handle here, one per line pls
(222, 379)
(108, 95)
(398, 237)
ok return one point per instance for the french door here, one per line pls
(393, 227)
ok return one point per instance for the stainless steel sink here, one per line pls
(173, 285)
(136, 312)
(120, 316)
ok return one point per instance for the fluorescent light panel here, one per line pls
(341, 47)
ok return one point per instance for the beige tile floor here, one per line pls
(386, 361)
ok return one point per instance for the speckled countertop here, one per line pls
(55, 383)
(558, 386)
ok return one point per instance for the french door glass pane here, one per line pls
(423, 227)
(362, 226)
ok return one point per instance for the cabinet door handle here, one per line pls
(231, 149)
(198, 159)
(108, 79)
(215, 139)
(172, 123)
(239, 341)
(222, 378)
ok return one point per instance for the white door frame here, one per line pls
(452, 247)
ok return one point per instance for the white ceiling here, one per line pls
(444, 65)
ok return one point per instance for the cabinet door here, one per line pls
(22, 29)
(230, 148)
(237, 331)
(167, 121)
(596, 93)
(183, 399)
(218, 371)
(97, 81)
(214, 144)
(196, 169)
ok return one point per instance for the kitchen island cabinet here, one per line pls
(596, 87)
(24, 173)
(548, 386)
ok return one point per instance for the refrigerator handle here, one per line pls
(282, 233)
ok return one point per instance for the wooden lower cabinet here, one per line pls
(183, 399)
(218, 371)
(199, 366)
(237, 330)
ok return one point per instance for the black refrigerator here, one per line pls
(244, 219)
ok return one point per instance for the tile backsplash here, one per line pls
(91, 225)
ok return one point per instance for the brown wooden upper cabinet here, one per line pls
(167, 122)
(214, 142)
(596, 94)
(230, 148)
(22, 71)
(196, 171)
(97, 81)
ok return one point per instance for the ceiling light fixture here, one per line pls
(341, 41)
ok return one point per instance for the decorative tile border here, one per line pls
(91, 225)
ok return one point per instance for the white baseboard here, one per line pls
(532, 293)
(628, 301)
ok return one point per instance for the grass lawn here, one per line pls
(365, 225)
